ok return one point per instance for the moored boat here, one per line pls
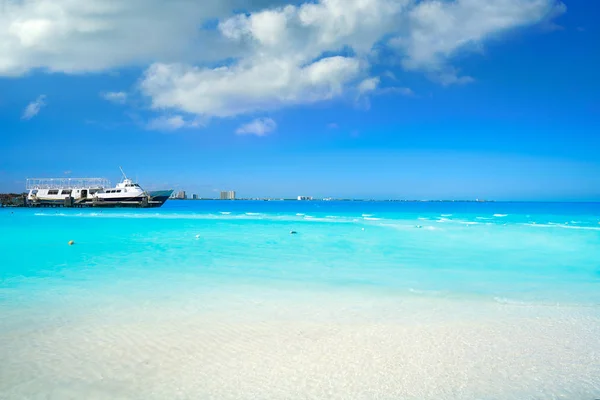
(92, 192)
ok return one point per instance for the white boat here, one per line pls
(95, 192)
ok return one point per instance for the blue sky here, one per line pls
(459, 99)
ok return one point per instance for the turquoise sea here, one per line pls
(367, 300)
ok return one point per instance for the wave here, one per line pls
(366, 215)
(507, 301)
(372, 219)
(300, 214)
(446, 215)
(563, 226)
(500, 215)
(224, 212)
(253, 214)
(53, 215)
(483, 218)
(539, 303)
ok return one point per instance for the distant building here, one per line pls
(305, 198)
(228, 195)
(181, 195)
(194, 197)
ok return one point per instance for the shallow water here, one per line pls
(215, 299)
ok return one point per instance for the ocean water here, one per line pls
(217, 299)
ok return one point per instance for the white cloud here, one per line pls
(172, 123)
(263, 84)
(258, 127)
(34, 107)
(270, 56)
(115, 97)
(390, 75)
(281, 60)
(368, 85)
(95, 35)
(437, 30)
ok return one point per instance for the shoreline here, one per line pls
(323, 347)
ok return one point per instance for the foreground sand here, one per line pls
(305, 346)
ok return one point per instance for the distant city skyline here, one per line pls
(380, 99)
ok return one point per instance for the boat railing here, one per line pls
(66, 183)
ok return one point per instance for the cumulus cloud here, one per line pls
(115, 97)
(96, 35)
(172, 123)
(288, 53)
(34, 107)
(437, 30)
(263, 84)
(270, 56)
(288, 58)
(258, 127)
(368, 85)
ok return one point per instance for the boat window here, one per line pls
(119, 191)
(66, 192)
(52, 191)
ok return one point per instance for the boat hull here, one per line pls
(153, 199)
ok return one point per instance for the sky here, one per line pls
(401, 99)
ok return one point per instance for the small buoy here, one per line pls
(197, 236)
(293, 232)
(418, 226)
(71, 242)
(363, 229)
